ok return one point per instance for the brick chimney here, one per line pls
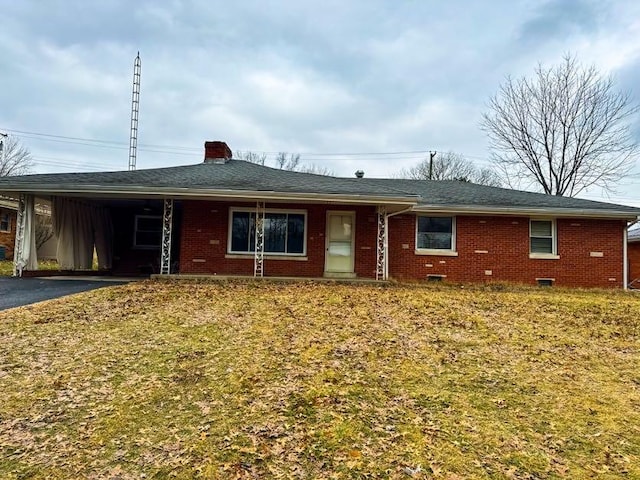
(217, 152)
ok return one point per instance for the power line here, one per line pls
(191, 152)
(63, 162)
(345, 154)
(120, 144)
(406, 155)
(92, 140)
(37, 134)
(108, 145)
(67, 166)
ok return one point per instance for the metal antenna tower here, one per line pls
(135, 110)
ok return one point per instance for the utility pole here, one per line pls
(432, 155)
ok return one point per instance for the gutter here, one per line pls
(543, 211)
(410, 201)
(206, 193)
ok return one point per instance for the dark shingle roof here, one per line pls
(634, 235)
(457, 193)
(234, 175)
(238, 175)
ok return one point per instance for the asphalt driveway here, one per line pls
(16, 292)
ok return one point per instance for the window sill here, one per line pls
(435, 252)
(544, 256)
(267, 256)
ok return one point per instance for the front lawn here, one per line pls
(262, 380)
(6, 266)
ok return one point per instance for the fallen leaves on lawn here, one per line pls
(262, 380)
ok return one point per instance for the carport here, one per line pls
(130, 236)
(234, 217)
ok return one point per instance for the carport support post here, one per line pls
(19, 243)
(382, 268)
(167, 226)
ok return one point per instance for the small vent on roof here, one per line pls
(359, 174)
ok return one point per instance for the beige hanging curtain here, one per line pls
(79, 227)
(26, 258)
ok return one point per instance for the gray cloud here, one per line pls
(331, 76)
(558, 19)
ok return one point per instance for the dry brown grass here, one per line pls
(260, 380)
(6, 266)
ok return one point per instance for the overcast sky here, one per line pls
(315, 78)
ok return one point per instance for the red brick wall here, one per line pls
(204, 233)
(634, 262)
(506, 239)
(7, 239)
(205, 229)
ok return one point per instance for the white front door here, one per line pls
(340, 239)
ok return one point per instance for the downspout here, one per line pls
(400, 212)
(386, 240)
(625, 254)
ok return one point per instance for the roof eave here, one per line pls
(135, 191)
(527, 211)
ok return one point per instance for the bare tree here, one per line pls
(316, 170)
(288, 161)
(565, 129)
(259, 158)
(44, 229)
(451, 166)
(285, 161)
(14, 158)
(487, 176)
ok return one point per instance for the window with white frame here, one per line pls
(542, 237)
(284, 232)
(5, 222)
(147, 231)
(435, 233)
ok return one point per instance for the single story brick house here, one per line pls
(634, 258)
(230, 217)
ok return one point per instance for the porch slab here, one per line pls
(248, 278)
(92, 278)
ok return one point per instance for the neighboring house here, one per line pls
(7, 228)
(8, 222)
(231, 217)
(634, 257)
